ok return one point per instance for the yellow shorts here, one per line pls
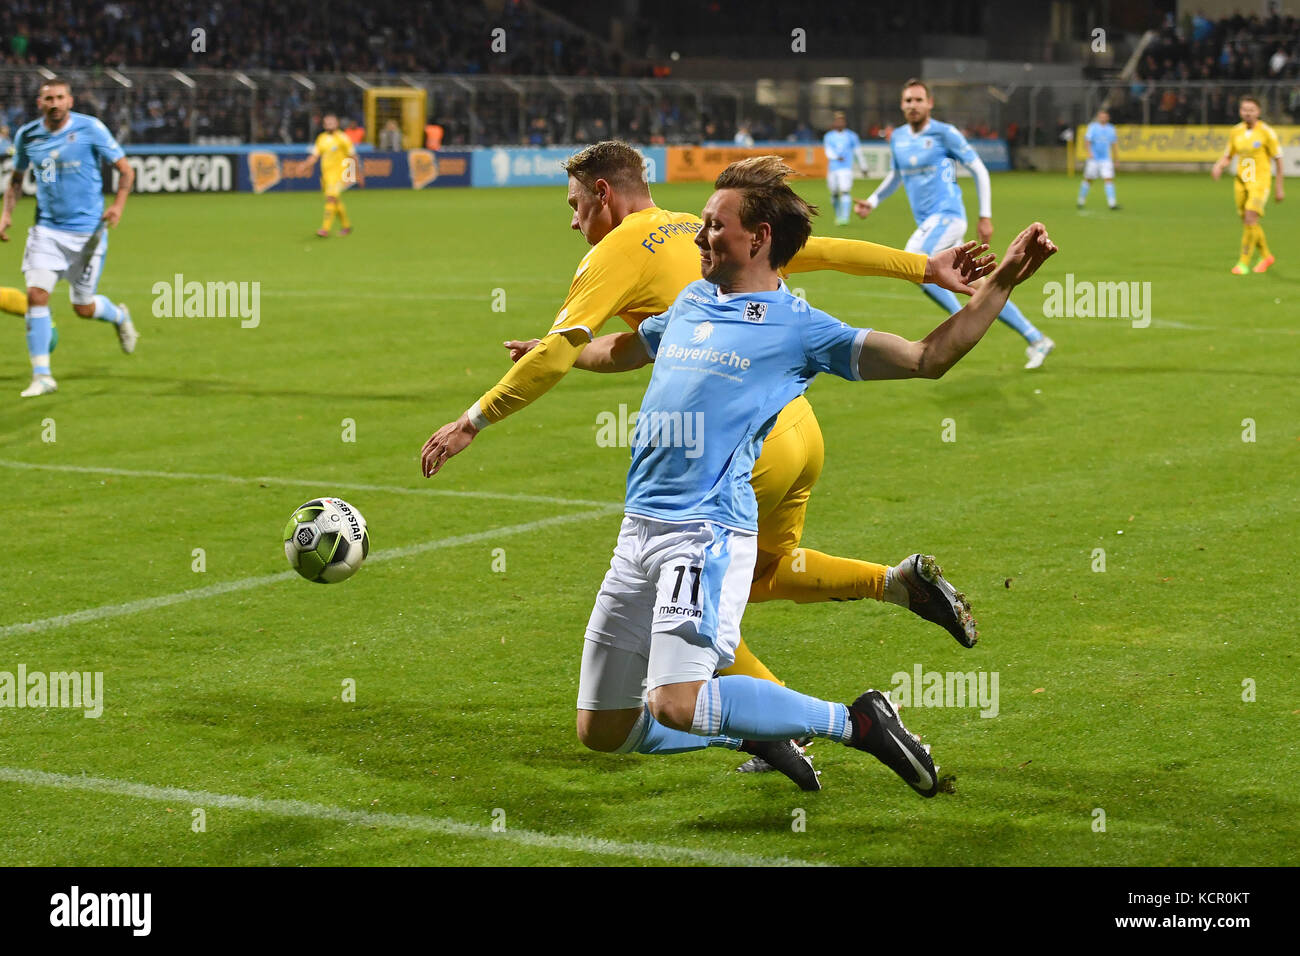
(1250, 196)
(332, 188)
(784, 475)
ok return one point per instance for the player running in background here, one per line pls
(731, 353)
(65, 150)
(922, 154)
(339, 167)
(1100, 137)
(641, 257)
(841, 146)
(1256, 144)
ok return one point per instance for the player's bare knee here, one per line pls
(596, 731)
(85, 310)
(37, 296)
(673, 705)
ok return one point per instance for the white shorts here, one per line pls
(936, 233)
(49, 255)
(668, 611)
(1099, 169)
(839, 181)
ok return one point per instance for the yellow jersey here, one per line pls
(334, 149)
(636, 271)
(1256, 147)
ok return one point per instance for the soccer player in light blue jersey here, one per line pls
(841, 146)
(729, 354)
(922, 154)
(1101, 138)
(64, 150)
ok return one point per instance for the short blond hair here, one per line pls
(767, 197)
(613, 161)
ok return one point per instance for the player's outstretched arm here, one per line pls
(528, 379)
(887, 356)
(952, 269)
(621, 352)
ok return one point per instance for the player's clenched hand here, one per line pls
(862, 208)
(1026, 253)
(519, 349)
(451, 439)
(113, 215)
(957, 268)
(4, 229)
(984, 229)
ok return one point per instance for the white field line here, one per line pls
(244, 584)
(331, 482)
(442, 826)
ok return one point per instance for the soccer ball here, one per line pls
(326, 540)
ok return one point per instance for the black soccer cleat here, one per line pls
(933, 598)
(878, 731)
(783, 755)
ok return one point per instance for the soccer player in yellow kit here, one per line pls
(339, 164)
(641, 258)
(1255, 142)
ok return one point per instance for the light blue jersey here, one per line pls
(725, 366)
(1101, 137)
(924, 162)
(65, 163)
(841, 147)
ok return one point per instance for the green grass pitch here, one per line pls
(1120, 691)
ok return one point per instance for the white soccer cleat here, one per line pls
(1038, 351)
(41, 385)
(126, 333)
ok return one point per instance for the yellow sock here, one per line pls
(747, 665)
(329, 216)
(1247, 244)
(344, 221)
(1260, 242)
(805, 576)
(13, 301)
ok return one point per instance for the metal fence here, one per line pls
(220, 106)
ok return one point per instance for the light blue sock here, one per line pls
(947, 301)
(107, 311)
(1013, 317)
(39, 332)
(648, 736)
(1110, 193)
(1083, 192)
(842, 207)
(754, 709)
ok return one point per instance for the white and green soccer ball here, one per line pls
(326, 540)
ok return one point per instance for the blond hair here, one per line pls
(615, 162)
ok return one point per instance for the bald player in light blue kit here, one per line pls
(65, 150)
(731, 352)
(922, 154)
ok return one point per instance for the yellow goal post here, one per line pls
(405, 104)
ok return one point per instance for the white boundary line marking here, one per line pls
(443, 826)
(339, 483)
(243, 584)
